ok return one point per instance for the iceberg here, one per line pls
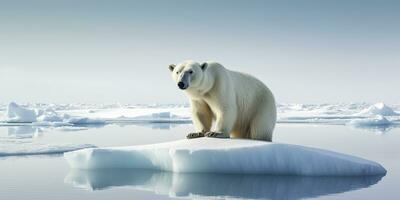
(378, 109)
(18, 114)
(218, 186)
(48, 115)
(236, 156)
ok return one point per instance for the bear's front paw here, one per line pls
(195, 135)
(216, 135)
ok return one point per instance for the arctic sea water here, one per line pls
(49, 177)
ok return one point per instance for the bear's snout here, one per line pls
(182, 85)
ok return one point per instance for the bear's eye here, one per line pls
(177, 72)
(191, 72)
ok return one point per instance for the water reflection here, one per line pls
(219, 185)
(378, 129)
(160, 126)
(21, 132)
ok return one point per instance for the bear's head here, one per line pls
(188, 74)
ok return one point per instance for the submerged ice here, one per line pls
(209, 155)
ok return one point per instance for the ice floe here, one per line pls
(210, 155)
(44, 117)
(78, 114)
(356, 114)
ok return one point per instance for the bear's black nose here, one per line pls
(181, 85)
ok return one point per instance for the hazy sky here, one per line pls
(118, 51)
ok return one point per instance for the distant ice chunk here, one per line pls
(45, 117)
(378, 109)
(18, 114)
(378, 120)
(48, 115)
(54, 119)
(341, 113)
(82, 120)
(210, 155)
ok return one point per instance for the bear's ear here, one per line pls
(203, 66)
(171, 67)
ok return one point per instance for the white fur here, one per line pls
(239, 104)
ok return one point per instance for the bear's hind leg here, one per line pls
(263, 125)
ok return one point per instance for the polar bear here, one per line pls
(240, 105)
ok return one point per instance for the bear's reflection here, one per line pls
(219, 185)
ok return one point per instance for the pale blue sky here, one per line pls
(118, 51)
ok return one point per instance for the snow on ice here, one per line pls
(44, 117)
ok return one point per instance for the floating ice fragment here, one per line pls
(18, 114)
(379, 109)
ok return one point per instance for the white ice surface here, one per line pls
(212, 155)
(341, 114)
(44, 117)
